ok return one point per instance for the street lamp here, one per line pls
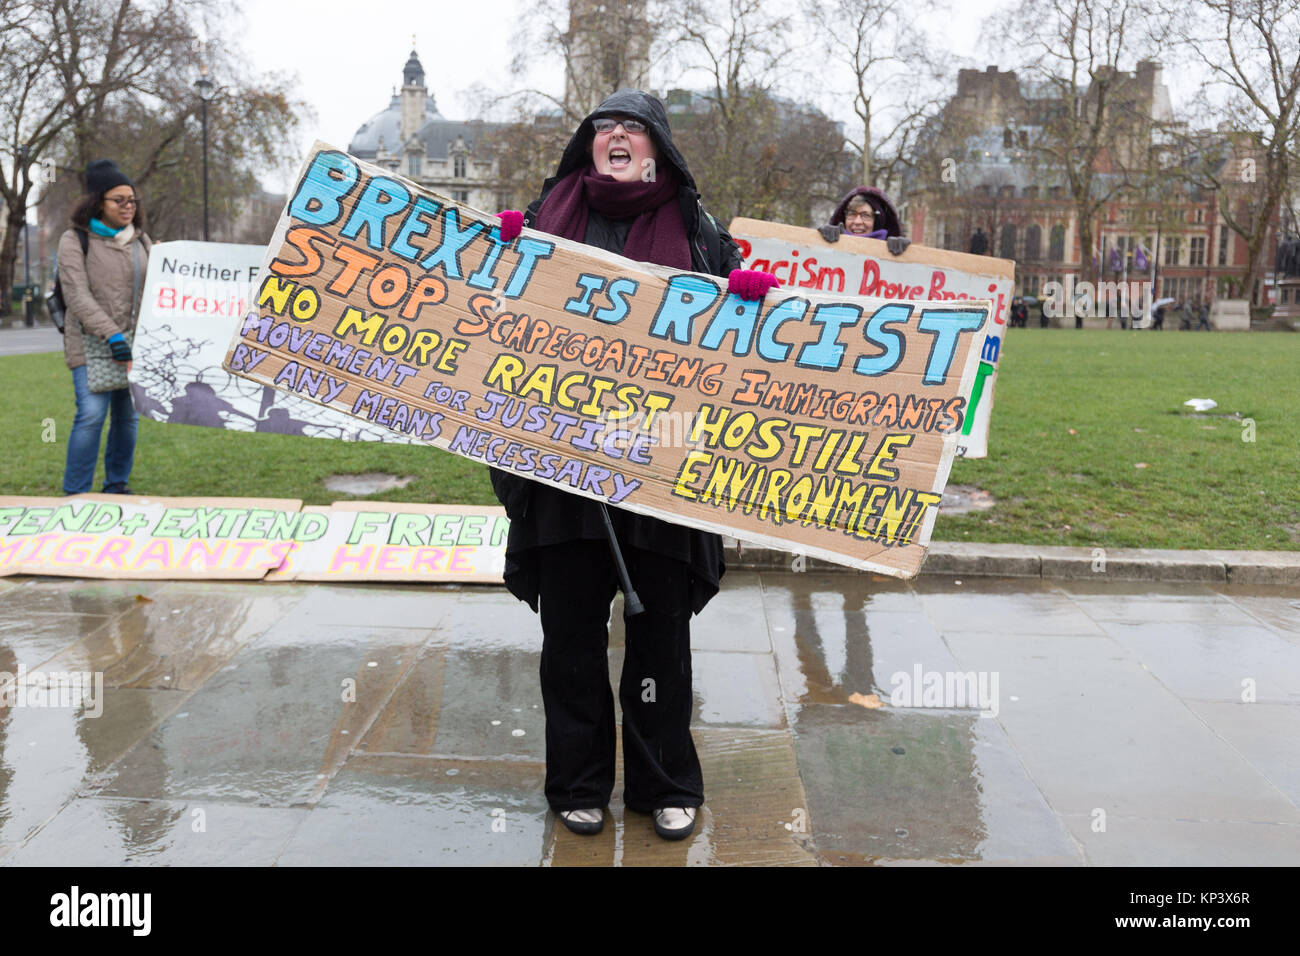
(24, 157)
(206, 89)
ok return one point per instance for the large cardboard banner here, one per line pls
(196, 295)
(816, 422)
(115, 536)
(802, 259)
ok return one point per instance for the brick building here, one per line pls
(1172, 235)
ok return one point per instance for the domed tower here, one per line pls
(385, 135)
(412, 139)
(415, 97)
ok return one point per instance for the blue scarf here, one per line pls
(99, 229)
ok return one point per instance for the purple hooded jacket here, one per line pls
(886, 220)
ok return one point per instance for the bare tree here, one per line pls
(527, 148)
(249, 130)
(889, 59)
(84, 79)
(736, 49)
(780, 164)
(1097, 130)
(1250, 51)
(32, 115)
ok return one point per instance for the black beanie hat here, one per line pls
(102, 175)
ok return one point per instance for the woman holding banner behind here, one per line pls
(102, 261)
(622, 186)
(866, 211)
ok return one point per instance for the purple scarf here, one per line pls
(658, 235)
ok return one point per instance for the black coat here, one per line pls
(541, 514)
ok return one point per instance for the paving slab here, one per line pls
(277, 721)
(95, 831)
(1008, 606)
(736, 689)
(729, 688)
(1095, 729)
(1274, 607)
(1254, 731)
(889, 784)
(29, 642)
(824, 633)
(1214, 661)
(495, 707)
(1137, 841)
(73, 596)
(51, 753)
(371, 606)
(405, 811)
(1129, 601)
(733, 620)
(408, 722)
(1018, 823)
(178, 638)
(41, 617)
(482, 618)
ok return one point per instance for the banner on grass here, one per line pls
(370, 541)
(802, 259)
(196, 294)
(818, 422)
(132, 536)
(115, 536)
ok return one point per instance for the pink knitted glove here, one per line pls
(512, 223)
(749, 284)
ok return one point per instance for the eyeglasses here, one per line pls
(123, 203)
(864, 214)
(606, 125)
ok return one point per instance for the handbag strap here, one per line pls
(135, 280)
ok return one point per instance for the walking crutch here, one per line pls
(631, 603)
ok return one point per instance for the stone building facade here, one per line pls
(450, 157)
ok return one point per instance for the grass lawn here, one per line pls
(1077, 410)
(1120, 392)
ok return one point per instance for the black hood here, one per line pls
(638, 105)
(886, 215)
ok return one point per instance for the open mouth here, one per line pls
(619, 158)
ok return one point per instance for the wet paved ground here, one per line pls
(302, 724)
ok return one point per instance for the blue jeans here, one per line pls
(83, 440)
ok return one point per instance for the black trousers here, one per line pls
(660, 766)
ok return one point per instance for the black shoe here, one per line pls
(117, 490)
(586, 822)
(675, 823)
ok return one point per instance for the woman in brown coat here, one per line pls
(102, 288)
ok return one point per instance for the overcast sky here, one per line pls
(348, 56)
